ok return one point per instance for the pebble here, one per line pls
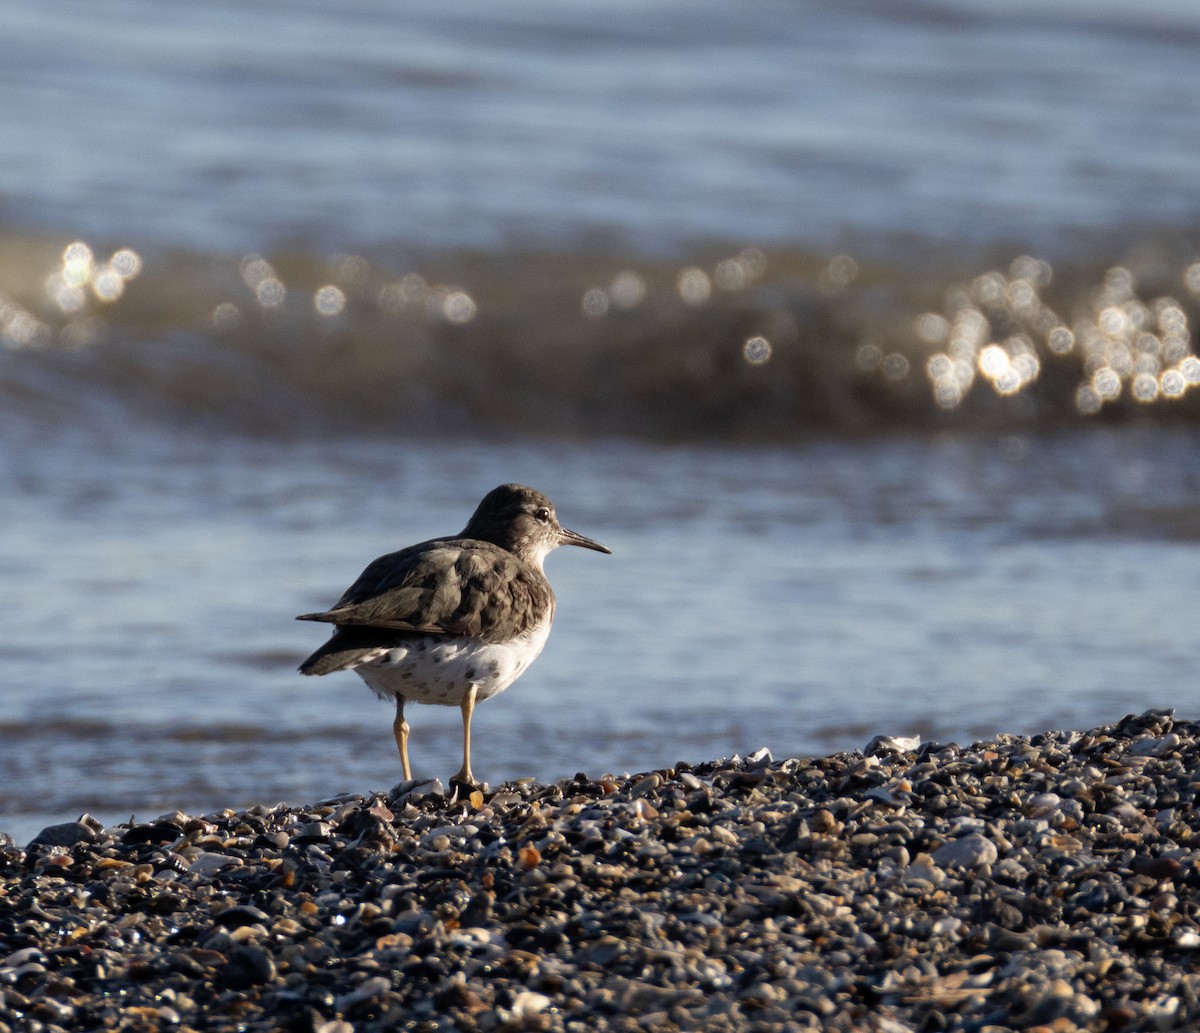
(1045, 882)
(67, 834)
(969, 851)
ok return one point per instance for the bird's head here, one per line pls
(524, 522)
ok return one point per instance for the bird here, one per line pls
(451, 621)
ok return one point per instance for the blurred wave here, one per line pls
(735, 344)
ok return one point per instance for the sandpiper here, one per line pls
(453, 621)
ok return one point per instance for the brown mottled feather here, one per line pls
(445, 587)
(486, 584)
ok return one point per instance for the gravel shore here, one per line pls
(1048, 882)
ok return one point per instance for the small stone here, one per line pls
(367, 990)
(645, 786)
(822, 821)
(1042, 804)
(249, 965)
(240, 915)
(56, 1011)
(69, 833)
(381, 811)
(22, 957)
(1157, 747)
(645, 810)
(969, 851)
(527, 1004)
(312, 832)
(603, 952)
(415, 792)
(1160, 868)
(883, 795)
(208, 864)
(884, 744)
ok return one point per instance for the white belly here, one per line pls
(441, 670)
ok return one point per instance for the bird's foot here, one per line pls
(463, 788)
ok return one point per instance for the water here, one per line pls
(221, 126)
(864, 335)
(804, 598)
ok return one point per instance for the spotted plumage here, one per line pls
(451, 621)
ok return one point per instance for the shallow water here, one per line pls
(802, 598)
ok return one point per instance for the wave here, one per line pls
(731, 344)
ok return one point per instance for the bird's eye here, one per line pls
(543, 514)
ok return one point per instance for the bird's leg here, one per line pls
(400, 731)
(464, 775)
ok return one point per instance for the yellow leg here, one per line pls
(400, 731)
(468, 708)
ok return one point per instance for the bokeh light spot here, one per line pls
(69, 297)
(1145, 387)
(254, 269)
(391, 298)
(458, 307)
(226, 315)
(841, 271)
(126, 263)
(1172, 384)
(895, 366)
(1191, 278)
(1113, 320)
(731, 275)
(595, 303)
(947, 394)
(694, 286)
(329, 300)
(932, 328)
(1107, 383)
(989, 289)
(1060, 340)
(868, 357)
(628, 289)
(270, 292)
(107, 284)
(1087, 400)
(757, 350)
(1036, 271)
(77, 263)
(939, 366)
(993, 361)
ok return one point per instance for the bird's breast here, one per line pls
(441, 669)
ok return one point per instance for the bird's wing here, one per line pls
(444, 587)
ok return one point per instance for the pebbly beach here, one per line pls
(1047, 882)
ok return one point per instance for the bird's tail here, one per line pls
(344, 651)
(323, 616)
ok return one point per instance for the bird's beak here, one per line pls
(566, 537)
